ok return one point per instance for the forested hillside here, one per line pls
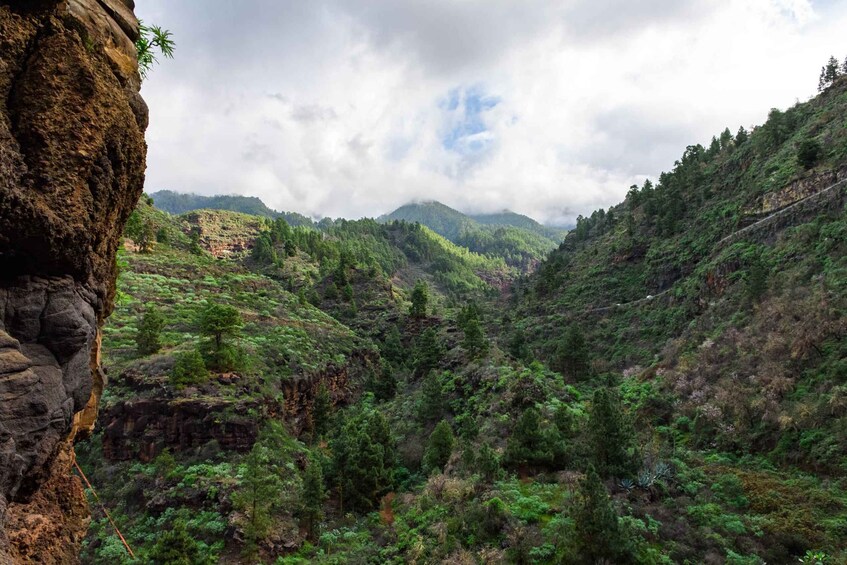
(180, 203)
(520, 240)
(668, 386)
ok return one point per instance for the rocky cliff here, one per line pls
(72, 157)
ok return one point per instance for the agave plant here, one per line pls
(815, 558)
(645, 479)
(648, 476)
(662, 471)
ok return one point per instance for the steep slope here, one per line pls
(668, 251)
(720, 292)
(72, 158)
(702, 424)
(177, 203)
(286, 350)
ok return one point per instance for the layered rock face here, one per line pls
(72, 157)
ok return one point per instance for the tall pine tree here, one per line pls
(611, 436)
(572, 354)
(439, 447)
(420, 299)
(529, 445)
(148, 338)
(363, 460)
(321, 411)
(428, 352)
(598, 534)
(314, 494)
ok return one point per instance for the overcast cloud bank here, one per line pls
(352, 108)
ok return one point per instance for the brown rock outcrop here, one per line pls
(141, 429)
(72, 158)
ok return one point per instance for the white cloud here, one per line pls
(338, 108)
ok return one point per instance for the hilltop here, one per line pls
(519, 239)
(179, 203)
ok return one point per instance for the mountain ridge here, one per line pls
(178, 203)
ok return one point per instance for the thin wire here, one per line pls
(106, 512)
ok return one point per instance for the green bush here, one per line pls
(189, 369)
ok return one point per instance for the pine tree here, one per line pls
(384, 385)
(439, 447)
(431, 405)
(263, 251)
(148, 338)
(757, 279)
(147, 238)
(474, 341)
(829, 74)
(363, 460)
(259, 488)
(573, 354)
(726, 139)
(290, 249)
(134, 225)
(714, 147)
(611, 436)
(528, 444)
(466, 314)
(220, 323)
(741, 136)
(331, 291)
(189, 369)
(833, 70)
(517, 346)
(175, 546)
(321, 411)
(420, 298)
(488, 462)
(347, 292)
(808, 153)
(428, 352)
(280, 231)
(194, 246)
(598, 534)
(314, 495)
(392, 348)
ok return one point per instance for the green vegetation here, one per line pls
(148, 340)
(663, 389)
(258, 493)
(420, 298)
(314, 495)
(179, 203)
(598, 535)
(220, 324)
(363, 460)
(152, 39)
(189, 369)
(610, 436)
(439, 447)
(520, 241)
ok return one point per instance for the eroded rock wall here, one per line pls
(72, 158)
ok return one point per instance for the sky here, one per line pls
(351, 108)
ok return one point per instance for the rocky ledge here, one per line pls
(72, 158)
